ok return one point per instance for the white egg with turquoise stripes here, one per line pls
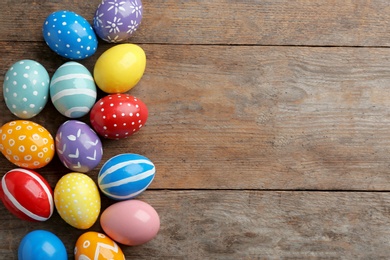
(125, 176)
(73, 90)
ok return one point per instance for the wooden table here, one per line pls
(269, 126)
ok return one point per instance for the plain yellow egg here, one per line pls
(77, 200)
(120, 68)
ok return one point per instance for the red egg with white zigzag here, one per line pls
(27, 195)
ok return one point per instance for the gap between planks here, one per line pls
(272, 190)
(233, 44)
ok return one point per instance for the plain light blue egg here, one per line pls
(73, 90)
(41, 245)
(26, 88)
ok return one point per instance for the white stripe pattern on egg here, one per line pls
(70, 92)
(125, 197)
(71, 64)
(121, 165)
(19, 206)
(71, 76)
(69, 112)
(127, 180)
(73, 87)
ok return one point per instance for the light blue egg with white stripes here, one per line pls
(73, 90)
(126, 176)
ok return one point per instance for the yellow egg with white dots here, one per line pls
(77, 200)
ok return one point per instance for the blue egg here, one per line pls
(73, 90)
(69, 35)
(125, 176)
(41, 244)
(26, 88)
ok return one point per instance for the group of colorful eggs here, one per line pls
(73, 92)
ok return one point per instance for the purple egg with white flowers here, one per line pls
(78, 146)
(116, 20)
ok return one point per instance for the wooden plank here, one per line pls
(250, 117)
(259, 22)
(245, 225)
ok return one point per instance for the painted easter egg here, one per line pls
(130, 222)
(73, 90)
(78, 146)
(120, 68)
(41, 244)
(26, 88)
(26, 144)
(116, 21)
(125, 176)
(27, 195)
(77, 200)
(94, 245)
(118, 116)
(69, 35)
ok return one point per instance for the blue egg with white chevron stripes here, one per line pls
(69, 35)
(73, 90)
(125, 176)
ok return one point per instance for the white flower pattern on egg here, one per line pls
(116, 6)
(115, 21)
(136, 8)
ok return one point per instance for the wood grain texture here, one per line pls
(260, 22)
(268, 142)
(251, 117)
(246, 225)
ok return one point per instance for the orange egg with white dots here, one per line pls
(77, 200)
(26, 144)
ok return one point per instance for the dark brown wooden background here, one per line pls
(269, 126)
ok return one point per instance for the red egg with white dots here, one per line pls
(118, 116)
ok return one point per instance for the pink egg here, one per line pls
(130, 222)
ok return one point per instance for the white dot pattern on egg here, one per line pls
(69, 35)
(77, 200)
(25, 88)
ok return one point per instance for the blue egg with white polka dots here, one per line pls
(69, 35)
(26, 88)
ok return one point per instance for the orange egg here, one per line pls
(94, 245)
(26, 144)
